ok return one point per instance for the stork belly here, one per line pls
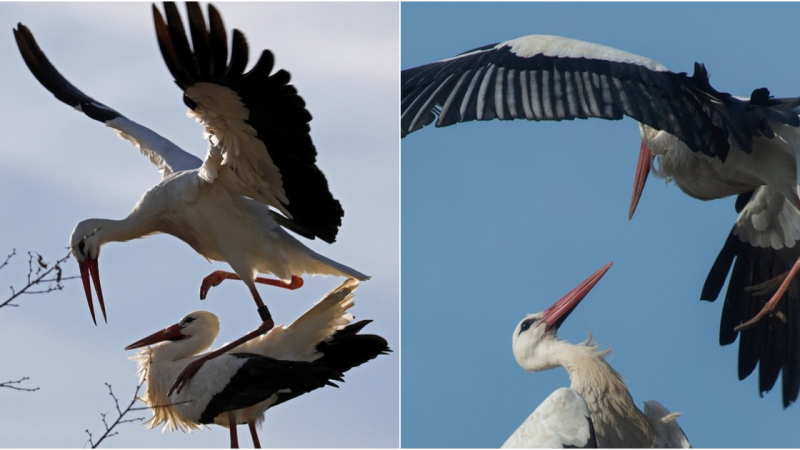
(705, 178)
(250, 414)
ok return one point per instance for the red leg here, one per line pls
(254, 434)
(217, 277)
(232, 423)
(773, 302)
(195, 365)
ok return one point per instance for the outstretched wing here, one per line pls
(256, 123)
(554, 78)
(561, 420)
(167, 156)
(763, 244)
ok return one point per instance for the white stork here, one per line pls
(239, 386)
(260, 156)
(596, 410)
(710, 143)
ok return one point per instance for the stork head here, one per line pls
(196, 330)
(85, 245)
(535, 332)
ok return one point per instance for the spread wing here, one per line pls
(256, 123)
(554, 78)
(763, 244)
(168, 157)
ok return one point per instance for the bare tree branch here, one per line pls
(10, 385)
(121, 413)
(40, 273)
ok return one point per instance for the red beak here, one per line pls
(555, 315)
(642, 170)
(89, 269)
(170, 333)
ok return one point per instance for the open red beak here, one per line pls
(642, 170)
(555, 315)
(172, 333)
(89, 270)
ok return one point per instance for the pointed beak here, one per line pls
(170, 333)
(642, 170)
(555, 315)
(89, 269)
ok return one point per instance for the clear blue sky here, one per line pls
(501, 219)
(59, 167)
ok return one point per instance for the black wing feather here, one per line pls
(773, 344)
(276, 111)
(565, 88)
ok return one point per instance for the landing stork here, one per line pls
(710, 143)
(259, 175)
(597, 410)
(241, 385)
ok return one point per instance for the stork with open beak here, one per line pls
(259, 176)
(710, 143)
(597, 409)
(241, 385)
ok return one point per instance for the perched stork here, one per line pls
(239, 386)
(260, 156)
(597, 410)
(709, 143)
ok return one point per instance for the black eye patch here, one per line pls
(526, 324)
(187, 321)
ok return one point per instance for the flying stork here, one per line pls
(241, 385)
(710, 143)
(597, 409)
(259, 175)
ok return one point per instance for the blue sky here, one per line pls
(60, 167)
(500, 219)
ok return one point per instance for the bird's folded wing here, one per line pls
(261, 377)
(168, 157)
(561, 420)
(299, 340)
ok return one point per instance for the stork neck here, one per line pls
(618, 422)
(110, 230)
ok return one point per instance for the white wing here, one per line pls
(668, 433)
(298, 341)
(561, 420)
(168, 157)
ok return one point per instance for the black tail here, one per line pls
(348, 349)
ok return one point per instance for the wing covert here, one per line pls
(256, 123)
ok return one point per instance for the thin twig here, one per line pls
(108, 433)
(9, 384)
(38, 272)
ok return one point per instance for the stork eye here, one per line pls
(526, 324)
(187, 321)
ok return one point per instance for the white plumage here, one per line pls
(260, 156)
(241, 384)
(613, 419)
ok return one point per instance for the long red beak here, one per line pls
(555, 315)
(172, 333)
(89, 269)
(642, 170)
